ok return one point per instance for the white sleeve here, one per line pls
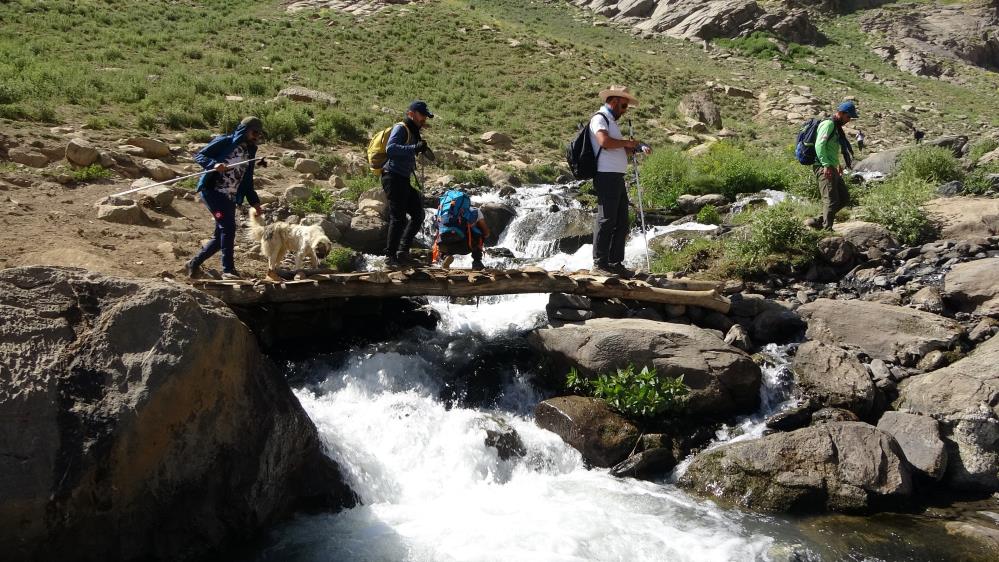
(598, 123)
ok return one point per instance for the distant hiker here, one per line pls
(461, 229)
(403, 146)
(830, 142)
(224, 188)
(860, 140)
(611, 227)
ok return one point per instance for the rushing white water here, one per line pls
(432, 489)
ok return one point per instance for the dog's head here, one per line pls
(322, 245)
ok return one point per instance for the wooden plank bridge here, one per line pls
(318, 285)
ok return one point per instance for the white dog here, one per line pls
(279, 238)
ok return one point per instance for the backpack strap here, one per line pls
(408, 134)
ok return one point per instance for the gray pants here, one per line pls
(835, 196)
(611, 228)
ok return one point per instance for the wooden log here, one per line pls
(461, 284)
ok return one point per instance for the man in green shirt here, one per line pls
(830, 141)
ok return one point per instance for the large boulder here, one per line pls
(972, 286)
(835, 378)
(723, 380)
(125, 435)
(498, 216)
(963, 218)
(157, 169)
(883, 163)
(919, 438)
(699, 106)
(866, 235)
(121, 211)
(373, 202)
(28, 156)
(565, 230)
(299, 93)
(151, 148)
(366, 233)
(81, 153)
(602, 436)
(708, 19)
(840, 466)
(890, 333)
(964, 398)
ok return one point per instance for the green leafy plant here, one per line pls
(694, 255)
(319, 201)
(896, 204)
(91, 173)
(930, 163)
(708, 215)
(665, 176)
(358, 185)
(643, 394)
(340, 259)
(982, 147)
(774, 236)
(474, 177)
(979, 182)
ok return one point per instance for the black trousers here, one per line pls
(611, 229)
(403, 200)
(223, 210)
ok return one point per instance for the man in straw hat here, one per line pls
(611, 229)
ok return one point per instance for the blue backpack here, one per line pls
(804, 148)
(454, 216)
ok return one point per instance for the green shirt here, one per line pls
(827, 147)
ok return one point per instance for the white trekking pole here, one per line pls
(194, 175)
(641, 207)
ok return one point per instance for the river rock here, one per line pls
(965, 218)
(647, 464)
(928, 299)
(498, 216)
(983, 330)
(501, 436)
(723, 380)
(834, 378)
(739, 337)
(843, 466)
(972, 286)
(366, 233)
(117, 431)
(837, 251)
(831, 415)
(777, 326)
(151, 148)
(891, 333)
(601, 435)
(919, 438)
(81, 153)
(121, 211)
(964, 398)
(866, 235)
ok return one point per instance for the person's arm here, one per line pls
(208, 156)
(483, 227)
(246, 186)
(396, 146)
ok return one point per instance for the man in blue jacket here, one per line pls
(225, 187)
(403, 146)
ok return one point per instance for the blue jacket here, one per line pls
(216, 152)
(402, 154)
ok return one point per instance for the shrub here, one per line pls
(544, 173)
(665, 176)
(340, 259)
(285, 124)
(982, 147)
(765, 45)
(774, 237)
(319, 201)
(695, 255)
(477, 178)
(91, 173)
(708, 215)
(146, 122)
(644, 394)
(332, 126)
(730, 170)
(896, 204)
(357, 186)
(978, 182)
(327, 164)
(929, 163)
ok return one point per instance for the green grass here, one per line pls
(474, 177)
(708, 215)
(358, 185)
(91, 173)
(340, 259)
(896, 204)
(696, 255)
(932, 164)
(320, 201)
(764, 45)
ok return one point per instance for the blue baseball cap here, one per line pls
(849, 108)
(421, 106)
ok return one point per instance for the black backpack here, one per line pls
(579, 153)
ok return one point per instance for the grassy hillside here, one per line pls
(530, 69)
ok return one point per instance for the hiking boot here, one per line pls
(600, 268)
(231, 276)
(392, 261)
(477, 265)
(192, 271)
(446, 262)
(620, 269)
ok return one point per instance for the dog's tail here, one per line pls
(256, 225)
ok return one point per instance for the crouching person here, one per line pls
(224, 188)
(461, 230)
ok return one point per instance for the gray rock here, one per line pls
(367, 234)
(157, 170)
(602, 436)
(647, 464)
(723, 380)
(832, 415)
(118, 430)
(121, 211)
(563, 300)
(297, 192)
(928, 299)
(497, 139)
(919, 438)
(81, 153)
(932, 361)
(502, 437)
(27, 156)
(882, 162)
(887, 332)
(329, 229)
(834, 378)
(699, 106)
(837, 251)
(739, 337)
(160, 196)
(298, 93)
(307, 166)
(498, 216)
(964, 398)
(972, 287)
(879, 370)
(151, 148)
(866, 235)
(950, 189)
(985, 329)
(777, 326)
(843, 466)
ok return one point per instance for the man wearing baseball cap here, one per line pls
(403, 146)
(830, 142)
(612, 150)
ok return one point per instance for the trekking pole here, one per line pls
(194, 175)
(641, 207)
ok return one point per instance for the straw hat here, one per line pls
(616, 91)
